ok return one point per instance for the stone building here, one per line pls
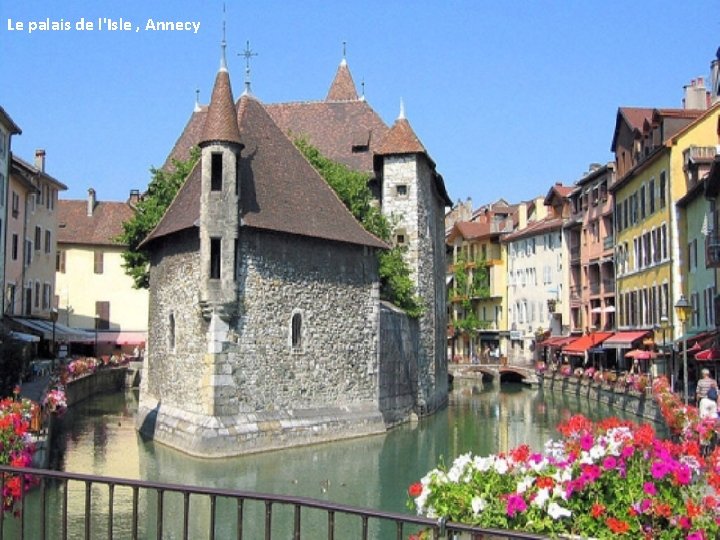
(266, 327)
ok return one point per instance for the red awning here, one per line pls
(708, 354)
(557, 341)
(123, 338)
(625, 340)
(638, 354)
(582, 344)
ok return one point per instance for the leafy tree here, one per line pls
(13, 362)
(396, 284)
(150, 209)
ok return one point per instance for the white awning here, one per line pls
(20, 336)
(44, 328)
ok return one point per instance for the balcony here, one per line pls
(574, 253)
(595, 287)
(609, 242)
(608, 286)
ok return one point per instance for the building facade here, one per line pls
(8, 128)
(93, 292)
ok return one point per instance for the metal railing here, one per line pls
(99, 505)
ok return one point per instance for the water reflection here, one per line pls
(98, 437)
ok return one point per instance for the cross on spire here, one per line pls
(223, 45)
(197, 99)
(344, 59)
(248, 53)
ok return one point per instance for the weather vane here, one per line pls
(248, 53)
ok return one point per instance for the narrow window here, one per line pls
(214, 258)
(102, 315)
(47, 242)
(216, 172)
(37, 295)
(98, 262)
(662, 189)
(401, 190)
(14, 247)
(60, 261)
(171, 332)
(297, 331)
(235, 260)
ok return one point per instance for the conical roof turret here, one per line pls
(401, 138)
(343, 86)
(221, 122)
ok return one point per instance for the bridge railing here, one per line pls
(72, 505)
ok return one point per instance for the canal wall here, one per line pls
(621, 397)
(101, 381)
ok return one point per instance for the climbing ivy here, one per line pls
(396, 284)
(161, 191)
(468, 286)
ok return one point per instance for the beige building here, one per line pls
(93, 291)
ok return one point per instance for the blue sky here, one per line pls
(508, 97)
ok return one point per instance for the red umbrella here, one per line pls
(708, 354)
(638, 354)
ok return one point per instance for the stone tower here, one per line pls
(220, 148)
(413, 195)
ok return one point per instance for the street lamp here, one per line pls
(664, 322)
(683, 310)
(96, 337)
(53, 318)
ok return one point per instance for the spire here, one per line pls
(197, 100)
(401, 116)
(221, 121)
(223, 45)
(343, 86)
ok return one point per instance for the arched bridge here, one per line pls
(493, 373)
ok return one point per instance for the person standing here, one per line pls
(705, 384)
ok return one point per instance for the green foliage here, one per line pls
(151, 208)
(352, 188)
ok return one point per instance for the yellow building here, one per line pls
(93, 291)
(653, 149)
(478, 287)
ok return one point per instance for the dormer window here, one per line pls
(360, 141)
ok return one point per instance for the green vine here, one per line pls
(396, 284)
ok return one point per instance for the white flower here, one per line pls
(541, 498)
(456, 471)
(478, 505)
(483, 464)
(501, 465)
(556, 511)
(524, 484)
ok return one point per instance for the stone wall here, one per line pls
(260, 391)
(397, 384)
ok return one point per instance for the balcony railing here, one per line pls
(99, 507)
(574, 252)
(609, 242)
(608, 285)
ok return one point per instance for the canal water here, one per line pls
(98, 437)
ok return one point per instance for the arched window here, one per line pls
(171, 332)
(296, 331)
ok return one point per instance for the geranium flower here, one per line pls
(515, 504)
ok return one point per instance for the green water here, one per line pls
(98, 437)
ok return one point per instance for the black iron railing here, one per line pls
(71, 505)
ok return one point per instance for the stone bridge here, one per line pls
(492, 373)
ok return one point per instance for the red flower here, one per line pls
(545, 482)
(415, 489)
(617, 526)
(597, 510)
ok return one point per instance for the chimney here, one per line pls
(695, 95)
(522, 216)
(40, 159)
(91, 202)
(715, 78)
(134, 197)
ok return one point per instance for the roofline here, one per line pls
(674, 138)
(696, 191)
(620, 182)
(9, 122)
(35, 171)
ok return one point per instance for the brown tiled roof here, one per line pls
(105, 224)
(278, 188)
(188, 138)
(401, 139)
(220, 124)
(343, 86)
(558, 189)
(634, 117)
(335, 128)
(469, 230)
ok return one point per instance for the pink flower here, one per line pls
(515, 504)
(609, 463)
(682, 474)
(696, 535)
(659, 469)
(649, 488)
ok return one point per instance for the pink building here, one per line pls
(590, 241)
